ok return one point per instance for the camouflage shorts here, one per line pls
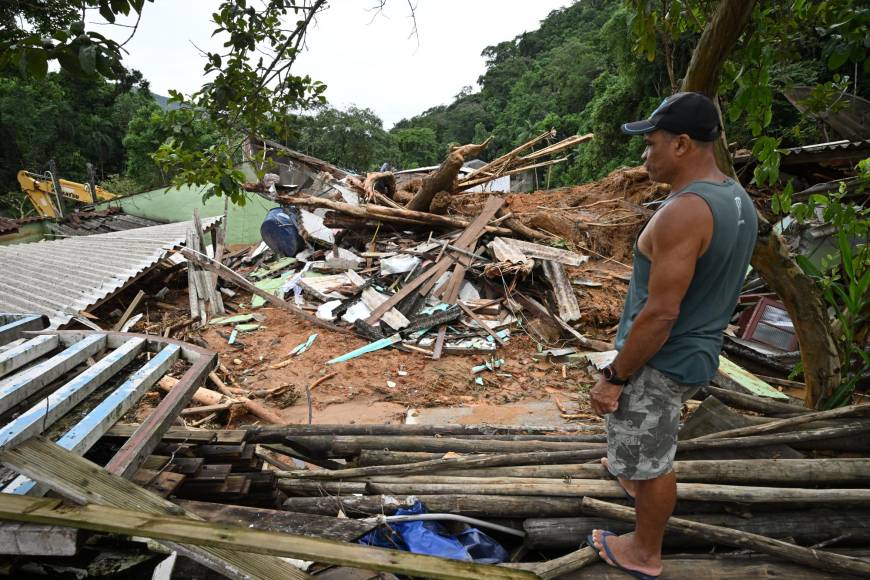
(642, 433)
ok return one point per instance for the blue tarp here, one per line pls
(430, 537)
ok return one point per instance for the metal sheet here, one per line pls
(59, 278)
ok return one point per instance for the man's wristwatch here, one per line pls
(611, 377)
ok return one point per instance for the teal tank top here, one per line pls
(691, 354)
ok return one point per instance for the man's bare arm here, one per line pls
(678, 238)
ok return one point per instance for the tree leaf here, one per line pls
(88, 59)
(106, 11)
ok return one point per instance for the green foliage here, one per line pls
(417, 147)
(248, 94)
(354, 138)
(35, 34)
(844, 279)
(67, 119)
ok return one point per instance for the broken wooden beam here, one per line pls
(373, 211)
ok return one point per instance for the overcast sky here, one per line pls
(365, 59)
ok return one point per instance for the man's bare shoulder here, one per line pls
(684, 219)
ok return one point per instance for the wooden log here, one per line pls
(378, 457)
(306, 488)
(182, 529)
(201, 395)
(559, 567)
(380, 212)
(553, 457)
(713, 416)
(277, 434)
(214, 401)
(489, 506)
(608, 489)
(318, 526)
(351, 445)
(781, 424)
(444, 178)
(714, 568)
(807, 556)
(753, 403)
(802, 526)
(787, 472)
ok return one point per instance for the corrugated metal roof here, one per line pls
(60, 278)
(89, 225)
(844, 145)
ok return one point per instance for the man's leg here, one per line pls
(642, 550)
(642, 437)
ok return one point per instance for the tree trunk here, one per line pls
(771, 258)
(443, 178)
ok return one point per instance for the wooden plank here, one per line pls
(17, 387)
(24, 353)
(53, 407)
(735, 378)
(91, 427)
(37, 540)
(542, 252)
(471, 314)
(393, 318)
(807, 556)
(81, 481)
(563, 291)
(178, 529)
(129, 311)
(143, 441)
(162, 483)
(427, 279)
(177, 434)
(15, 328)
(206, 280)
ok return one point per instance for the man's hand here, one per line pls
(605, 397)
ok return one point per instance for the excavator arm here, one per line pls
(41, 192)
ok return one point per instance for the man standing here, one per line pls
(690, 261)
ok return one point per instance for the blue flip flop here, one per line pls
(591, 541)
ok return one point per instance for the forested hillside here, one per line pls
(579, 72)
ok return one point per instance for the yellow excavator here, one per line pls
(44, 197)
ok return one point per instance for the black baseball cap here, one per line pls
(690, 113)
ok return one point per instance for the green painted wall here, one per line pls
(176, 205)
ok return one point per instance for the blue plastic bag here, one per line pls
(280, 231)
(429, 537)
